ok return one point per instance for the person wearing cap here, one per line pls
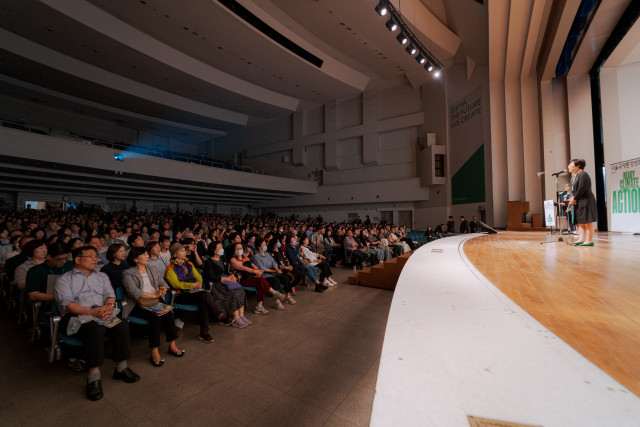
(183, 276)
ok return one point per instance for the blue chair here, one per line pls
(57, 337)
(121, 299)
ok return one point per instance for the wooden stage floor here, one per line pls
(587, 296)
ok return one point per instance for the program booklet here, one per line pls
(159, 309)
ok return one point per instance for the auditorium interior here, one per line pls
(327, 112)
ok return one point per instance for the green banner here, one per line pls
(467, 185)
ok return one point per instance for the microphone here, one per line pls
(559, 173)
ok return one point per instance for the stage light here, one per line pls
(420, 59)
(402, 39)
(411, 49)
(391, 25)
(381, 8)
(437, 73)
(429, 66)
(118, 157)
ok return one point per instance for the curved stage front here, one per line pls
(456, 346)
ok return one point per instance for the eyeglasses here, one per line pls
(89, 256)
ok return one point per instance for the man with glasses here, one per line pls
(86, 299)
(56, 264)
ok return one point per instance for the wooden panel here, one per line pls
(587, 296)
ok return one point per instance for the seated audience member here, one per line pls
(251, 244)
(318, 261)
(5, 245)
(430, 234)
(135, 240)
(192, 254)
(94, 241)
(74, 243)
(183, 276)
(440, 231)
(292, 252)
(231, 298)
(165, 253)
(114, 237)
(15, 244)
(144, 287)
(229, 248)
(275, 247)
(13, 262)
(155, 260)
(370, 240)
(36, 252)
(251, 276)
(57, 263)
(144, 232)
(351, 246)
(404, 238)
(274, 275)
(116, 255)
(329, 244)
(86, 300)
(365, 246)
(316, 240)
(464, 226)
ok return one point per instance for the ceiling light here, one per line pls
(402, 39)
(429, 66)
(381, 8)
(421, 59)
(411, 49)
(437, 73)
(391, 25)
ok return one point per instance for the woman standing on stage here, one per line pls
(584, 203)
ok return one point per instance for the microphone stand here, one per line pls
(557, 229)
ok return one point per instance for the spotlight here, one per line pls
(402, 39)
(381, 8)
(429, 66)
(391, 26)
(118, 157)
(437, 73)
(420, 59)
(411, 49)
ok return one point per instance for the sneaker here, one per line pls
(321, 286)
(246, 321)
(260, 310)
(319, 289)
(278, 295)
(290, 300)
(179, 323)
(205, 337)
(228, 320)
(238, 323)
(333, 281)
(325, 282)
(278, 305)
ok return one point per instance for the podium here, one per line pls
(515, 211)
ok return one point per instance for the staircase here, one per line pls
(384, 275)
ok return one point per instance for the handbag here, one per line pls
(148, 302)
(231, 286)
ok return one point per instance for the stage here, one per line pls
(511, 328)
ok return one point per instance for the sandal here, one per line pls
(176, 354)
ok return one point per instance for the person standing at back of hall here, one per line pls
(451, 226)
(585, 211)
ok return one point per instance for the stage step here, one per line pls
(384, 275)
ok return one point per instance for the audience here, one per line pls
(269, 253)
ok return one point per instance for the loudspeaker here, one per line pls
(486, 227)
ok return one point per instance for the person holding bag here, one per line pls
(225, 288)
(144, 287)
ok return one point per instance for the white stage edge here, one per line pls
(456, 346)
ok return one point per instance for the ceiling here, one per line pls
(193, 70)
